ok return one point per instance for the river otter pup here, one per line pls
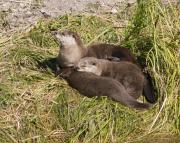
(128, 74)
(72, 50)
(91, 85)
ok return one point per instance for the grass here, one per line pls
(36, 106)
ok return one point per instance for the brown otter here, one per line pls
(128, 74)
(91, 85)
(73, 50)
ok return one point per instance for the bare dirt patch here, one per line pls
(17, 15)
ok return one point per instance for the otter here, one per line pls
(91, 85)
(72, 50)
(128, 74)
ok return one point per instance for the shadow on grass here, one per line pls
(48, 64)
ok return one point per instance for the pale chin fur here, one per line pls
(81, 70)
(67, 40)
(91, 70)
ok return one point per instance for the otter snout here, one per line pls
(80, 67)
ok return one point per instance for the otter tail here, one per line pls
(127, 100)
(148, 90)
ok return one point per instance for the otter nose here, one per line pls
(76, 68)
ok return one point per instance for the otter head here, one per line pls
(89, 64)
(67, 38)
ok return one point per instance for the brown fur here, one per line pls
(91, 85)
(128, 74)
(100, 51)
(69, 54)
(108, 51)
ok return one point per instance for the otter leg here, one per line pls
(148, 89)
(124, 98)
(133, 83)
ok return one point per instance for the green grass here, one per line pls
(36, 106)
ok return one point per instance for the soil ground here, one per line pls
(17, 15)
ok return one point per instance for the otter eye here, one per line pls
(93, 64)
(73, 36)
